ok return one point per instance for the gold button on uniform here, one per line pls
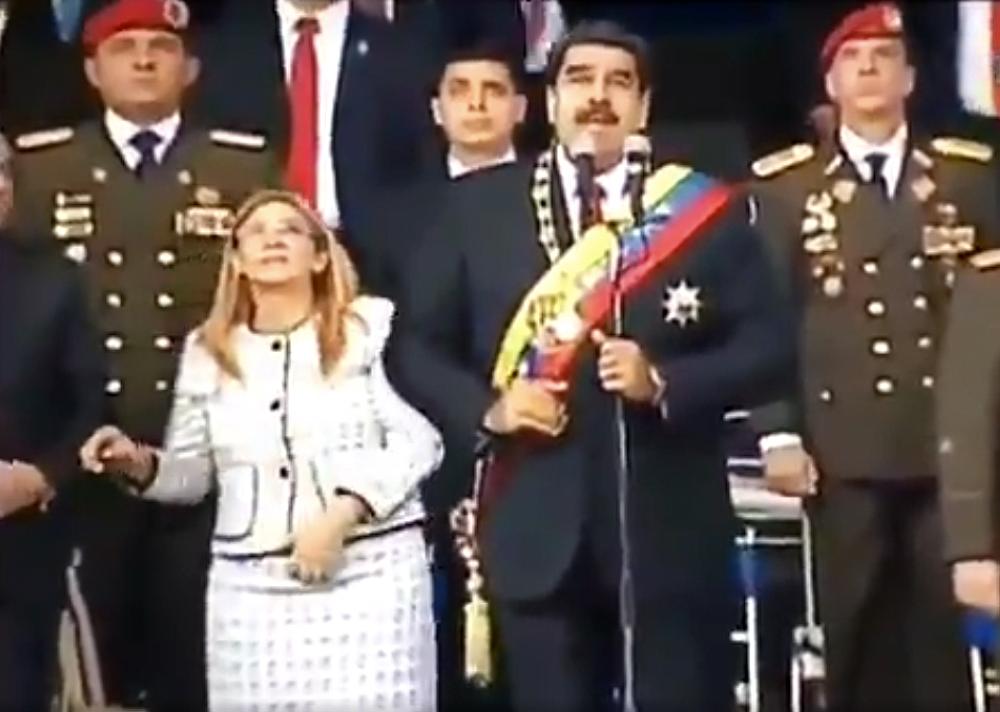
(875, 308)
(166, 257)
(161, 386)
(925, 342)
(881, 347)
(113, 387)
(826, 395)
(77, 252)
(113, 300)
(870, 267)
(927, 381)
(114, 343)
(162, 343)
(917, 262)
(920, 302)
(164, 300)
(885, 386)
(116, 258)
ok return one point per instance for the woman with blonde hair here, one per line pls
(319, 589)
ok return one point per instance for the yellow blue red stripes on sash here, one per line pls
(574, 295)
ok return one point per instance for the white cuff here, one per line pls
(776, 440)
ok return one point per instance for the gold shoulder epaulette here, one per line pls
(238, 139)
(962, 148)
(782, 160)
(43, 139)
(986, 260)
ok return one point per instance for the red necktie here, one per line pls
(303, 94)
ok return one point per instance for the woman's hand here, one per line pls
(109, 450)
(318, 545)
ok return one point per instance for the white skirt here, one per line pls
(363, 642)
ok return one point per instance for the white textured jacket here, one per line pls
(282, 441)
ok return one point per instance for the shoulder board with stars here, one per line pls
(987, 260)
(782, 160)
(962, 148)
(43, 139)
(237, 139)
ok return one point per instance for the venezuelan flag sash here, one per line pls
(576, 293)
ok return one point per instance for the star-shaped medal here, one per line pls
(682, 304)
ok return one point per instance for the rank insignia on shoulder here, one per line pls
(962, 148)
(239, 139)
(782, 160)
(43, 139)
(986, 260)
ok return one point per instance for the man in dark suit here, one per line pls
(703, 334)
(144, 199)
(345, 132)
(866, 231)
(51, 376)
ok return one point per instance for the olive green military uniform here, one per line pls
(152, 248)
(870, 277)
(968, 413)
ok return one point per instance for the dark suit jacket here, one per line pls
(32, 55)
(51, 395)
(459, 296)
(380, 121)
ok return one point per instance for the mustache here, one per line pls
(597, 112)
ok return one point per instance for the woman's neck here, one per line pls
(281, 308)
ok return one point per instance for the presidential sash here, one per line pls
(576, 293)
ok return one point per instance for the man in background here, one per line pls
(51, 394)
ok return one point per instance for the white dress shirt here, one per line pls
(858, 149)
(329, 41)
(121, 131)
(457, 169)
(611, 181)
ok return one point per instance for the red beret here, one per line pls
(169, 15)
(880, 20)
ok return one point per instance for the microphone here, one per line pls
(637, 155)
(582, 152)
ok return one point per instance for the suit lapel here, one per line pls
(354, 59)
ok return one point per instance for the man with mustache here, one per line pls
(867, 232)
(608, 562)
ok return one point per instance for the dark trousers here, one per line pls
(893, 633)
(143, 576)
(564, 653)
(29, 633)
(455, 693)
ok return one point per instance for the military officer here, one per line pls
(969, 429)
(145, 202)
(867, 234)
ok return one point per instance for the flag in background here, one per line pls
(4, 16)
(978, 56)
(544, 24)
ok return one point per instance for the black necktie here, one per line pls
(591, 212)
(145, 142)
(876, 161)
